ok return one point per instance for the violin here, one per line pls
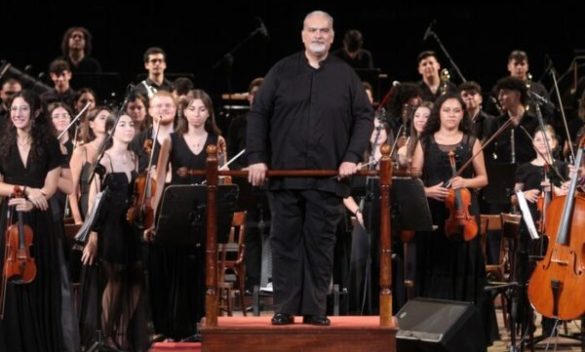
(19, 267)
(141, 214)
(557, 284)
(460, 222)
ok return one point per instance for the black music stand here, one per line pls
(105, 84)
(501, 185)
(410, 207)
(410, 211)
(182, 216)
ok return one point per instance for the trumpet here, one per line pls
(445, 78)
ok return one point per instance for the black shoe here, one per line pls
(316, 320)
(282, 319)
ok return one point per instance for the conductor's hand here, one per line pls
(257, 174)
(347, 168)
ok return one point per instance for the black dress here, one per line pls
(449, 268)
(32, 317)
(122, 274)
(177, 273)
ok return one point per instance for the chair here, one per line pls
(497, 274)
(231, 265)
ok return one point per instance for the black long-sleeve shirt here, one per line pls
(500, 151)
(307, 118)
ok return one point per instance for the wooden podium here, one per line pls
(346, 333)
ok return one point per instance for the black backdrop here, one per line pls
(478, 36)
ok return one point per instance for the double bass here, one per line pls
(557, 285)
(19, 267)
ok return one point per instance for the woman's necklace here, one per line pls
(23, 142)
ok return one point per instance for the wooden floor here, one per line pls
(554, 344)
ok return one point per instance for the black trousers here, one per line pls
(302, 237)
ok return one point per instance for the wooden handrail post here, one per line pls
(211, 298)
(385, 239)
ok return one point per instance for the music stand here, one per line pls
(105, 84)
(501, 185)
(410, 211)
(410, 207)
(182, 219)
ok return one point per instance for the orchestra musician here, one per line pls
(450, 268)
(115, 247)
(30, 159)
(163, 110)
(155, 62)
(83, 156)
(431, 84)
(540, 179)
(177, 272)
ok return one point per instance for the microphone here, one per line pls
(429, 29)
(395, 83)
(262, 29)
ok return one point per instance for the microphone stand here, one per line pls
(227, 59)
(453, 64)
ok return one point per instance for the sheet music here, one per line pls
(526, 215)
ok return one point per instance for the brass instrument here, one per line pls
(445, 78)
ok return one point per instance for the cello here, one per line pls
(460, 221)
(557, 285)
(19, 267)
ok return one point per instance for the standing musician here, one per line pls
(30, 160)
(93, 135)
(539, 180)
(518, 67)
(155, 62)
(450, 268)
(404, 98)
(115, 246)
(471, 94)
(163, 109)
(432, 85)
(60, 115)
(177, 272)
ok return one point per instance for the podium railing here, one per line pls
(212, 174)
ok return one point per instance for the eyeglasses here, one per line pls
(161, 106)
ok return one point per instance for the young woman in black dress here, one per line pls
(30, 159)
(177, 273)
(450, 268)
(117, 246)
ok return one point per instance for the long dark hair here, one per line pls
(69, 33)
(40, 132)
(210, 125)
(434, 121)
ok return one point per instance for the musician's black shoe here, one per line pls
(316, 320)
(282, 319)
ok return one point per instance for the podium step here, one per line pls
(345, 334)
